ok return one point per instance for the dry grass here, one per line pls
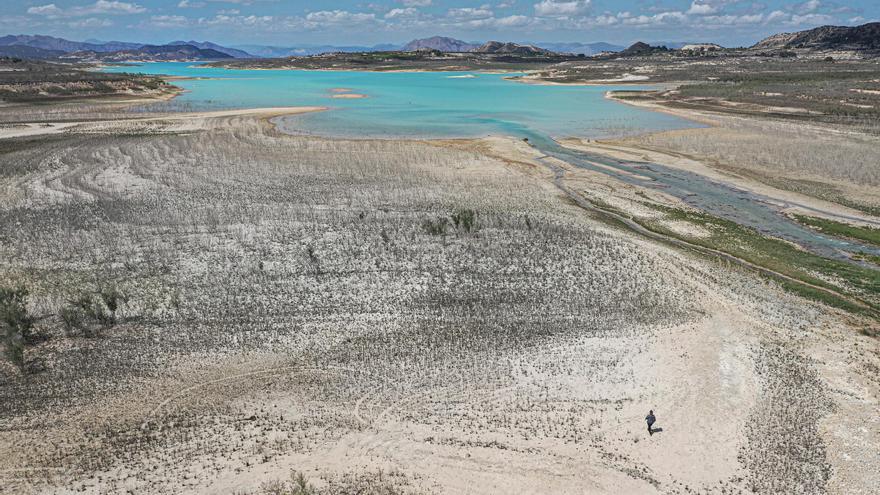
(281, 304)
(836, 167)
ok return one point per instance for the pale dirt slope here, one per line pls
(288, 308)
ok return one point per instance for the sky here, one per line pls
(367, 22)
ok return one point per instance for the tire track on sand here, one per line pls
(338, 370)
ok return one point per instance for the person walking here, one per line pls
(651, 419)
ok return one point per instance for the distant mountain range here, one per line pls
(579, 48)
(266, 51)
(63, 45)
(859, 38)
(154, 53)
(29, 52)
(440, 43)
(864, 37)
(445, 44)
(47, 47)
(207, 45)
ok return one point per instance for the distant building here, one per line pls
(701, 47)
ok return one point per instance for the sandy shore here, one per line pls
(193, 119)
(348, 96)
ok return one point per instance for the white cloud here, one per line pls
(90, 22)
(470, 13)
(186, 4)
(166, 21)
(513, 21)
(776, 15)
(809, 6)
(553, 8)
(101, 7)
(109, 7)
(415, 3)
(339, 17)
(663, 18)
(699, 7)
(49, 10)
(402, 13)
(237, 20)
(810, 20)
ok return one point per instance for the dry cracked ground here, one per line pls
(410, 317)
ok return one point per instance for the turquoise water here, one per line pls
(414, 104)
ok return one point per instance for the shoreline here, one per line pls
(608, 82)
(611, 146)
(791, 201)
(378, 71)
(46, 128)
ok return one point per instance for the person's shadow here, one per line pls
(656, 430)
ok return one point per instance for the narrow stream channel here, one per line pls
(722, 200)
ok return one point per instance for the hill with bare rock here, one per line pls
(156, 53)
(439, 43)
(511, 48)
(864, 37)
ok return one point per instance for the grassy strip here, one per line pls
(781, 257)
(629, 94)
(823, 297)
(772, 254)
(830, 227)
(870, 258)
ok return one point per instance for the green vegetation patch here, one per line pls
(848, 279)
(830, 227)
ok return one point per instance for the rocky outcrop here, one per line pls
(864, 37)
(439, 43)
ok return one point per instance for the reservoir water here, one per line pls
(412, 104)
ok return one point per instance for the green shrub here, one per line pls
(16, 323)
(88, 315)
(297, 485)
(435, 227)
(464, 219)
(111, 297)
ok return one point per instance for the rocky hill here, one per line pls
(439, 43)
(499, 47)
(46, 47)
(864, 37)
(639, 49)
(207, 45)
(62, 45)
(29, 52)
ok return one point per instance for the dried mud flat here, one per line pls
(325, 306)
